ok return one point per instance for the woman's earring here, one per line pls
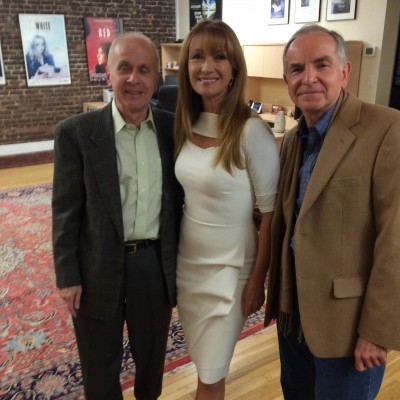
(230, 83)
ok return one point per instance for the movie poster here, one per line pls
(204, 9)
(99, 33)
(44, 43)
(2, 76)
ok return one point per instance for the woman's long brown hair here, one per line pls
(233, 112)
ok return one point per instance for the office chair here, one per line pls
(171, 79)
(168, 97)
(154, 98)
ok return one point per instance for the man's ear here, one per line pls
(108, 76)
(345, 74)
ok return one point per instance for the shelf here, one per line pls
(170, 52)
(176, 45)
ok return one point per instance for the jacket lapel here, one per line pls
(338, 141)
(102, 152)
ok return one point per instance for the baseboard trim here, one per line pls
(26, 159)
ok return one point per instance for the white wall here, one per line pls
(376, 24)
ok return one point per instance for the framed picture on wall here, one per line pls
(45, 49)
(2, 76)
(99, 33)
(340, 9)
(306, 11)
(204, 9)
(278, 12)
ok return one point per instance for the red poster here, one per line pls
(100, 32)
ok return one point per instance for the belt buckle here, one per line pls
(132, 247)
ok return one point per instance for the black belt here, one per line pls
(133, 246)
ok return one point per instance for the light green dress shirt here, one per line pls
(140, 179)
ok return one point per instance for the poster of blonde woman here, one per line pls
(45, 49)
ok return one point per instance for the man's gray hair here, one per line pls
(337, 37)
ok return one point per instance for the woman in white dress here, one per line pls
(227, 161)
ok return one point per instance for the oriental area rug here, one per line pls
(38, 353)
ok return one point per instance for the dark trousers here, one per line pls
(306, 377)
(147, 313)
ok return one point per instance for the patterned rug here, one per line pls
(38, 354)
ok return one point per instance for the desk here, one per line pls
(290, 122)
(270, 118)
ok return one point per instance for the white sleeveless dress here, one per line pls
(218, 242)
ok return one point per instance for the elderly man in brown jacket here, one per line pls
(334, 277)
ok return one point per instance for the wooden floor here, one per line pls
(254, 373)
(23, 176)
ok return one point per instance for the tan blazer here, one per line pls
(347, 235)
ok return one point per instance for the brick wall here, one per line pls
(29, 114)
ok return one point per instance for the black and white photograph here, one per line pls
(278, 12)
(340, 10)
(306, 11)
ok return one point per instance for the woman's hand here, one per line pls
(253, 295)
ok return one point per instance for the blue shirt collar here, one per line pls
(321, 126)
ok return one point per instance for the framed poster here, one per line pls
(45, 49)
(2, 76)
(99, 34)
(340, 9)
(306, 11)
(204, 9)
(278, 12)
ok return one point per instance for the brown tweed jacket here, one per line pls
(347, 235)
(88, 239)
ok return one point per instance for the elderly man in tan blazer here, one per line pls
(334, 278)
